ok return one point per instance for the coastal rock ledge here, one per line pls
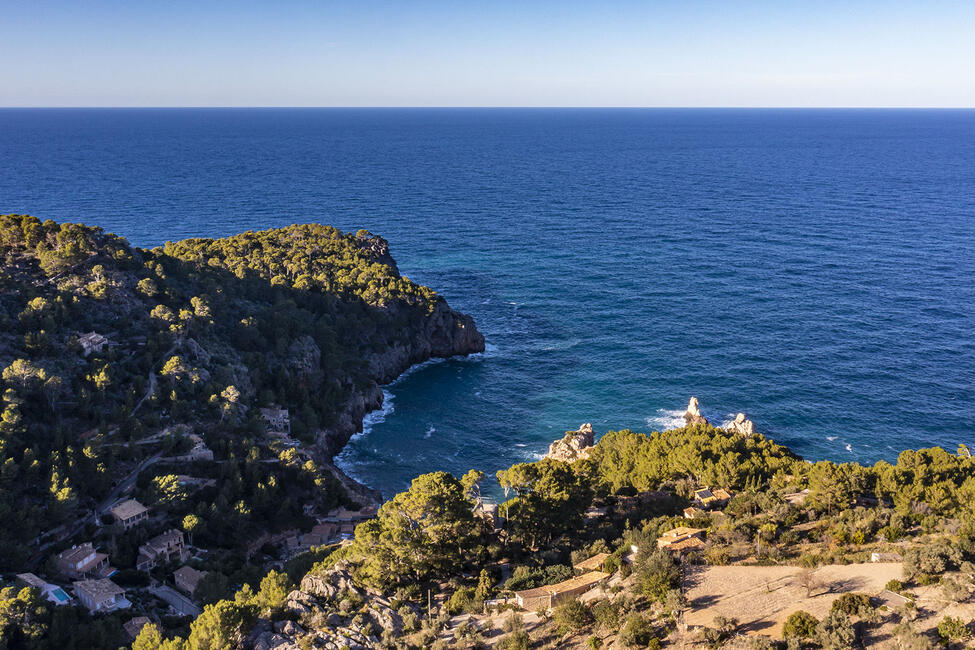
(574, 446)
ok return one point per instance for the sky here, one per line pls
(875, 53)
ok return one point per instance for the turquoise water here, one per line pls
(813, 269)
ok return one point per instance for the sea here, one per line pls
(814, 269)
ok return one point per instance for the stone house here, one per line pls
(708, 498)
(129, 513)
(551, 595)
(81, 561)
(91, 342)
(682, 539)
(168, 547)
(187, 578)
(277, 419)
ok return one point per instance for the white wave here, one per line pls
(831, 438)
(430, 432)
(477, 393)
(560, 345)
(849, 448)
(666, 419)
(372, 418)
(520, 444)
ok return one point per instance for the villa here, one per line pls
(81, 561)
(52, 593)
(130, 513)
(168, 547)
(101, 595)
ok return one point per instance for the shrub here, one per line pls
(800, 624)
(952, 629)
(636, 633)
(607, 614)
(853, 604)
(894, 585)
(836, 632)
(463, 600)
(571, 616)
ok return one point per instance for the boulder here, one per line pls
(693, 415)
(741, 425)
(575, 445)
(288, 628)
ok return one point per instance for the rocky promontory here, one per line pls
(574, 446)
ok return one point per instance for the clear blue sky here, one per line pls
(487, 53)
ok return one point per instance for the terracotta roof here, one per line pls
(100, 589)
(188, 576)
(128, 509)
(135, 625)
(595, 562)
(574, 583)
(171, 536)
(32, 580)
(682, 530)
(686, 544)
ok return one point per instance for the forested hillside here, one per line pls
(194, 337)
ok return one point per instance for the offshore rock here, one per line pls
(693, 415)
(741, 425)
(575, 445)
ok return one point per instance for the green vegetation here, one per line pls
(202, 334)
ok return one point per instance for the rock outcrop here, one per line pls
(693, 415)
(330, 611)
(741, 425)
(575, 445)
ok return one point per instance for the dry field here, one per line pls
(762, 597)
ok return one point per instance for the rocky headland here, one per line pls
(574, 446)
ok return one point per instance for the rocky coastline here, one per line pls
(444, 333)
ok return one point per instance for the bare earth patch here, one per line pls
(762, 597)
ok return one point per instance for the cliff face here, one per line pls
(444, 333)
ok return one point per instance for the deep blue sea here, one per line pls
(812, 268)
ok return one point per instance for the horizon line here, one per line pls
(483, 107)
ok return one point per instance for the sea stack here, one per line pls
(575, 445)
(741, 425)
(693, 415)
